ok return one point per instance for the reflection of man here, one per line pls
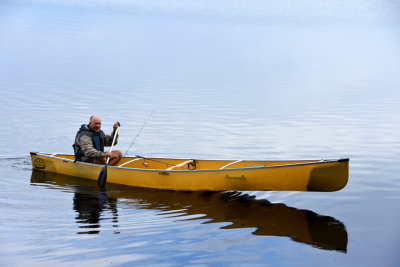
(90, 207)
(90, 141)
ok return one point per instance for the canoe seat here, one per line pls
(180, 165)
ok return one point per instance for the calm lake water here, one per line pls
(227, 79)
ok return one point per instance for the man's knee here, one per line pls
(117, 154)
(115, 157)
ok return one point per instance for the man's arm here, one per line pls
(109, 138)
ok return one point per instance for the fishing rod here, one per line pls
(144, 124)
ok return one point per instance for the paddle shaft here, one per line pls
(112, 144)
(160, 162)
(101, 181)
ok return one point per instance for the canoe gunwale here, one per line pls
(313, 162)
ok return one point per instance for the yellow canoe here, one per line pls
(209, 175)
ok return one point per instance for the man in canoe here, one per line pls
(90, 141)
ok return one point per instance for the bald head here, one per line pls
(95, 123)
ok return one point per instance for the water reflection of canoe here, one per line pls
(213, 175)
(242, 211)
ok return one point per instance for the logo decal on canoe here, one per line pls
(236, 177)
(39, 164)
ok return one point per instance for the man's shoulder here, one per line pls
(84, 130)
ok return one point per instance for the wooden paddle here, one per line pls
(172, 165)
(101, 181)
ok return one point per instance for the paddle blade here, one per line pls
(101, 181)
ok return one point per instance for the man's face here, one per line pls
(95, 124)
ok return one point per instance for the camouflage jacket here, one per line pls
(84, 139)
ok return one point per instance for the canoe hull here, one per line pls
(322, 176)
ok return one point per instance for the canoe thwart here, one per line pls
(123, 164)
(180, 165)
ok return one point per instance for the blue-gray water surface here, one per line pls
(226, 79)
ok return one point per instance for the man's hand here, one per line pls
(107, 154)
(116, 125)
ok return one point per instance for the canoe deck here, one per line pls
(214, 175)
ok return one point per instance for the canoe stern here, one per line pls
(328, 178)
